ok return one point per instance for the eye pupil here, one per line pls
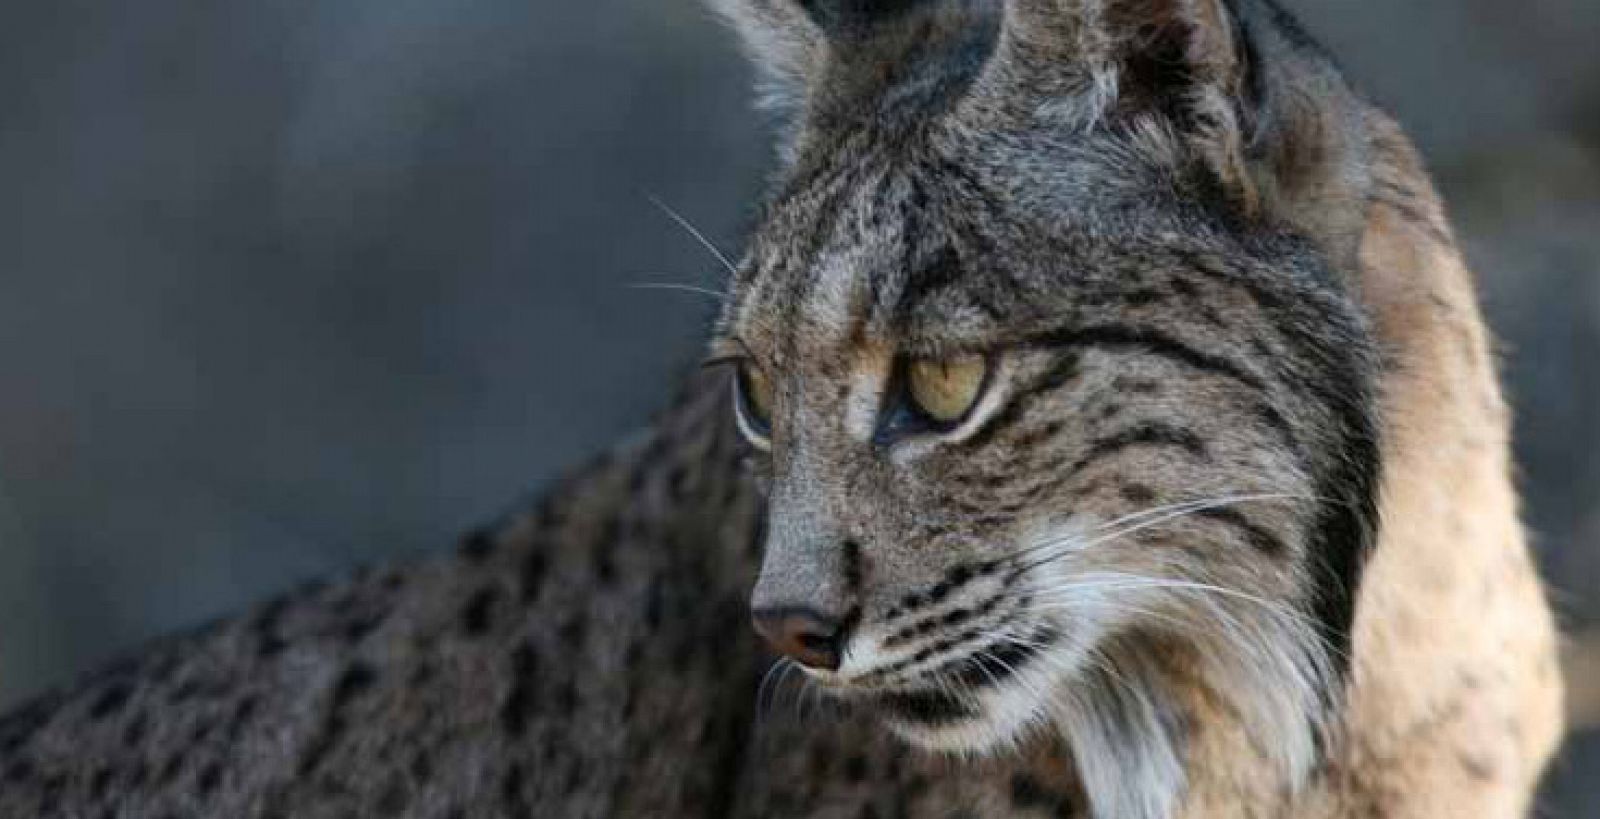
(754, 400)
(946, 389)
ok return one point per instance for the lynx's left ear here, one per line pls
(1245, 92)
(790, 41)
(785, 42)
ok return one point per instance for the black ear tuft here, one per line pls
(845, 17)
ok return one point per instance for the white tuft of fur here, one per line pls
(1264, 658)
(1125, 740)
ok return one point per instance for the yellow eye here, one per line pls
(946, 389)
(754, 391)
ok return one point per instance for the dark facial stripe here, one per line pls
(1259, 538)
(950, 619)
(1274, 420)
(1347, 527)
(852, 567)
(954, 579)
(1149, 434)
(932, 652)
(1152, 342)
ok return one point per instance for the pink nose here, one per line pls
(804, 635)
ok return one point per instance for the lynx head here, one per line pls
(1046, 346)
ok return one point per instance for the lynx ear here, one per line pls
(789, 40)
(1243, 90)
(786, 43)
(1079, 62)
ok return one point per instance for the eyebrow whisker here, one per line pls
(695, 232)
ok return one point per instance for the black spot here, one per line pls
(421, 767)
(534, 567)
(100, 782)
(209, 778)
(394, 799)
(1109, 411)
(1280, 427)
(168, 772)
(678, 482)
(50, 793)
(1135, 386)
(265, 627)
(654, 604)
(353, 682)
(321, 743)
(270, 646)
(110, 701)
(855, 768)
(358, 627)
(1477, 767)
(19, 772)
(137, 773)
(567, 697)
(1142, 297)
(519, 702)
(511, 791)
(575, 777)
(242, 713)
(574, 632)
(1137, 494)
(602, 557)
(1027, 792)
(1258, 537)
(476, 614)
(200, 733)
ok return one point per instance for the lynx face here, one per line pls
(1056, 397)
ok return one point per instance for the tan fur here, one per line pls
(1456, 698)
(1456, 701)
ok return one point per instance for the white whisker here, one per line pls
(695, 232)
(685, 288)
(1068, 543)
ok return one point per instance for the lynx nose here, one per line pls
(810, 638)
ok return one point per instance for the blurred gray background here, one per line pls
(290, 286)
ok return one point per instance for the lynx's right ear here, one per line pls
(787, 44)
